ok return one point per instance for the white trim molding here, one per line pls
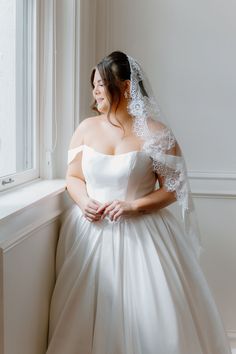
(232, 338)
(213, 184)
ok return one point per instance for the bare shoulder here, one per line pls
(82, 129)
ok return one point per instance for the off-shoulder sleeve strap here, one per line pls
(162, 147)
(73, 152)
(169, 163)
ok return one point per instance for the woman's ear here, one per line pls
(126, 88)
(127, 85)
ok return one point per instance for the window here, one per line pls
(19, 126)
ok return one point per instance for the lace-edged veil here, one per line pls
(150, 124)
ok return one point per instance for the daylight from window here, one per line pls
(8, 163)
(17, 90)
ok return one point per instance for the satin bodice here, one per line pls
(125, 176)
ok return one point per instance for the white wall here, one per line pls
(188, 50)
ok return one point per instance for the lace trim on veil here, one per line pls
(158, 146)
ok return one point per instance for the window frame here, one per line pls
(30, 10)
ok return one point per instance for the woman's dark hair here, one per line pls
(113, 69)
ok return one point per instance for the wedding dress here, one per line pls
(130, 286)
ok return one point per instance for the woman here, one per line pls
(128, 277)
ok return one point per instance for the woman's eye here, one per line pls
(99, 85)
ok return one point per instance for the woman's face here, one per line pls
(100, 93)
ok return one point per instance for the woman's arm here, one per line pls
(75, 180)
(76, 188)
(154, 201)
(157, 199)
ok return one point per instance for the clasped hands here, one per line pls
(94, 211)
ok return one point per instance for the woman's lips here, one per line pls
(99, 100)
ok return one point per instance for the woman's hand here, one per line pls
(90, 209)
(117, 208)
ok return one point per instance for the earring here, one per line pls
(126, 94)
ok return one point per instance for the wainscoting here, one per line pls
(215, 200)
(28, 242)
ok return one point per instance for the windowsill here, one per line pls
(22, 197)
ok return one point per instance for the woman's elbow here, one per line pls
(169, 196)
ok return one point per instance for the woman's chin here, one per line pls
(103, 110)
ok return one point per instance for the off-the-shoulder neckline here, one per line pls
(109, 155)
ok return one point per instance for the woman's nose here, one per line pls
(96, 89)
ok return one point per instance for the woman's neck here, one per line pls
(121, 116)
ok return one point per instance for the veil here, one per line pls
(150, 124)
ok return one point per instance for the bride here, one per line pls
(128, 279)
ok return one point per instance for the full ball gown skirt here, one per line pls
(131, 286)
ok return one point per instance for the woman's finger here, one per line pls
(91, 218)
(88, 218)
(92, 214)
(91, 211)
(113, 212)
(117, 215)
(93, 205)
(100, 209)
(103, 206)
(108, 209)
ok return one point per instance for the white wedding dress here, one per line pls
(131, 286)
